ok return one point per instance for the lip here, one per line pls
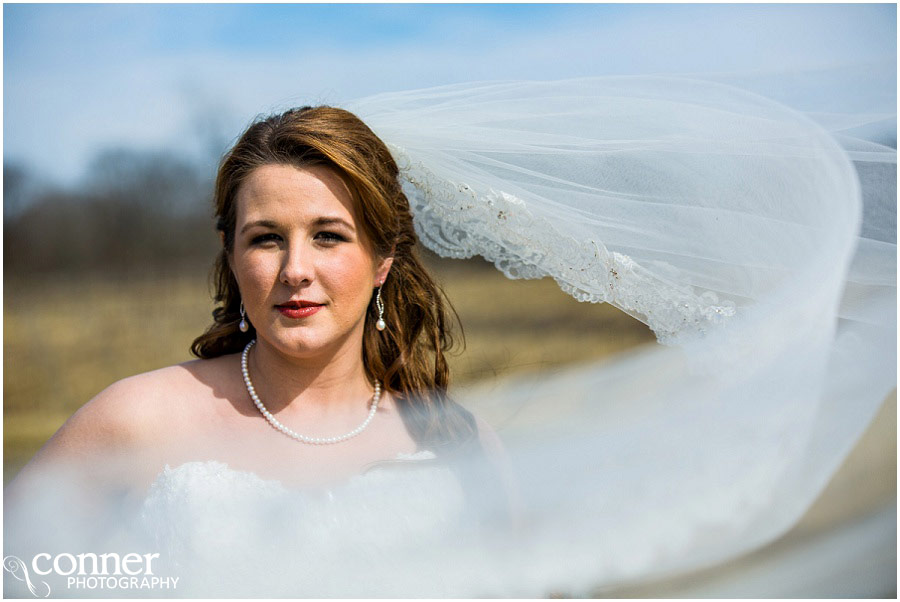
(298, 309)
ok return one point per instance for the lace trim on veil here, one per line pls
(454, 220)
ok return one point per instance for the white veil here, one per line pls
(757, 242)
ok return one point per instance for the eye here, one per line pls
(330, 237)
(264, 238)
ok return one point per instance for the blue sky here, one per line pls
(80, 78)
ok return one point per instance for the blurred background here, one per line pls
(115, 117)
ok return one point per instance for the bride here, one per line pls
(327, 351)
(314, 451)
(326, 357)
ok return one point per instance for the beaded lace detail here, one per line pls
(453, 220)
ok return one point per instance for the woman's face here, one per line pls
(305, 268)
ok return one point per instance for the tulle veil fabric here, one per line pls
(758, 241)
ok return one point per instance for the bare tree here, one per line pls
(137, 210)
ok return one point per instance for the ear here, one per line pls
(381, 271)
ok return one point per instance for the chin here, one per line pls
(300, 345)
(303, 344)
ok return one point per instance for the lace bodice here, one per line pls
(223, 530)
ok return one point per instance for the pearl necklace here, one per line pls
(275, 423)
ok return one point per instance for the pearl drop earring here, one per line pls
(244, 326)
(380, 324)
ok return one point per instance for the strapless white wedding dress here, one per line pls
(227, 532)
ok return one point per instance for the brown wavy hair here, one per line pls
(408, 357)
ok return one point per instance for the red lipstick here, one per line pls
(298, 309)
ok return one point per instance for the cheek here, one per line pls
(255, 277)
(349, 277)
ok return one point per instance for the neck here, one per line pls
(333, 383)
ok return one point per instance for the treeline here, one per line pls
(134, 211)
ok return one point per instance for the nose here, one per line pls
(297, 267)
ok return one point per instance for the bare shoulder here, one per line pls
(118, 439)
(134, 412)
(136, 406)
(490, 441)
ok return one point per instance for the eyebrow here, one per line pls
(329, 221)
(265, 223)
(319, 221)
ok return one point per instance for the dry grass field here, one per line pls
(67, 339)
